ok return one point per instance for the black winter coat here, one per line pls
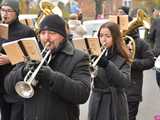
(154, 36)
(60, 97)
(16, 31)
(108, 99)
(143, 61)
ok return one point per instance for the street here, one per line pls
(151, 99)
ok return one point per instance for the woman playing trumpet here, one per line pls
(108, 99)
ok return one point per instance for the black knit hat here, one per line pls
(54, 23)
(14, 4)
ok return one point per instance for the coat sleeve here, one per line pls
(10, 81)
(74, 89)
(146, 61)
(152, 32)
(118, 77)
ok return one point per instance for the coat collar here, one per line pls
(119, 61)
(68, 48)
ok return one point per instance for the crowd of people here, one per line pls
(65, 82)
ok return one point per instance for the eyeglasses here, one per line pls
(7, 10)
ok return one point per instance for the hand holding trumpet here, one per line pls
(24, 88)
(30, 66)
(103, 62)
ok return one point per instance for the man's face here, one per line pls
(130, 47)
(8, 15)
(156, 13)
(54, 39)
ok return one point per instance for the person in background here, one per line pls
(9, 11)
(63, 84)
(154, 39)
(108, 98)
(80, 16)
(143, 60)
(133, 12)
(124, 11)
(77, 30)
(155, 13)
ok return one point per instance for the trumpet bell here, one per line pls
(24, 90)
(130, 43)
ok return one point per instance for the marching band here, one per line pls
(106, 70)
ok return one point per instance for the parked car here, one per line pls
(92, 26)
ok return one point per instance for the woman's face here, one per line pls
(106, 37)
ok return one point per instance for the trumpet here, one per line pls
(94, 63)
(25, 88)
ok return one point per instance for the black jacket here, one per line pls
(59, 99)
(16, 31)
(143, 61)
(154, 36)
(108, 99)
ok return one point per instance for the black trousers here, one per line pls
(133, 109)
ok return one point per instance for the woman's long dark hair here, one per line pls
(118, 43)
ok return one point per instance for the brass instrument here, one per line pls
(141, 20)
(24, 88)
(129, 41)
(99, 57)
(46, 8)
(93, 64)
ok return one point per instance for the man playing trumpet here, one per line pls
(63, 84)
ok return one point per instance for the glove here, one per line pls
(103, 62)
(44, 75)
(30, 65)
(93, 58)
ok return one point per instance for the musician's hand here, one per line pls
(44, 75)
(93, 58)
(4, 59)
(103, 62)
(30, 65)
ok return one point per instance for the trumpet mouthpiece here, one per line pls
(47, 44)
